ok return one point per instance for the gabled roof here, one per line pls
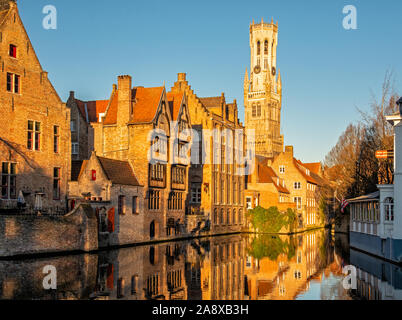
(303, 172)
(146, 102)
(111, 111)
(118, 172)
(314, 167)
(175, 100)
(211, 102)
(94, 108)
(267, 175)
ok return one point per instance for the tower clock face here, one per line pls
(273, 71)
(257, 69)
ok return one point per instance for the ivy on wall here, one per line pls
(271, 220)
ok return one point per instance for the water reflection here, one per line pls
(238, 267)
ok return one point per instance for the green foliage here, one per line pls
(268, 246)
(271, 220)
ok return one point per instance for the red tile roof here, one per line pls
(146, 102)
(303, 172)
(267, 175)
(175, 100)
(94, 108)
(314, 167)
(111, 112)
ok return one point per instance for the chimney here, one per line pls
(181, 76)
(124, 84)
(72, 94)
(289, 151)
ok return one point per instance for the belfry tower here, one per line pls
(263, 90)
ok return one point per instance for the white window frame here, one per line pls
(297, 185)
(75, 148)
(282, 169)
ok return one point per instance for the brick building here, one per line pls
(264, 188)
(83, 115)
(35, 139)
(216, 187)
(112, 189)
(146, 127)
(303, 180)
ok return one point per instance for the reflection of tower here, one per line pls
(263, 90)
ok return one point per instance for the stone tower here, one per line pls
(263, 90)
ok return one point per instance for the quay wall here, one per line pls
(26, 234)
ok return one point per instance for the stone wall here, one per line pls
(21, 235)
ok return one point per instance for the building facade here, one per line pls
(147, 128)
(216, 181)
(35, 139)
(303, 181)
(263, 90)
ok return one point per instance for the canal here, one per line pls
(241, 267)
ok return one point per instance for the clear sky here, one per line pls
(327, 71)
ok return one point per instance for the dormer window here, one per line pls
(13, 51)
(282, 169)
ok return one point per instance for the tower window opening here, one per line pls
(258, 110)
(258, 48)
(266, 47)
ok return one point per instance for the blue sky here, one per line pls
(327, 71)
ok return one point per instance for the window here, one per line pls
(135, 205)
(122, 204)
(249, 204)
(258, 110)
(159, 145)
(157, 172)
(74, 148)
(254, 111)
(8, 180)
(120, 288)
(297, 274)
(34, 135)
(178, 175)
(234, 216)
(297, 185)
(153, 199)
(389, 209)
(73, 126)
(281, 169)
(258, 48)
(196, 193)
(13, 83)
(56, 138)
(13, 51)
(175, 201)
(298, 201)
(266, 47)
(56, 183)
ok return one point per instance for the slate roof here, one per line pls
(118, 172)
(211, 102)
(367, 197)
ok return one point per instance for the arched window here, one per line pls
(266, 47)
(221, 217)
(215, 216)
(228, 216)
(389, 209)
(240, 216)
(258, 48)
(234, 216)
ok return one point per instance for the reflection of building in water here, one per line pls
(376, 278)
(292, 263)
(23, 280)
(151, 272)
(214, 269)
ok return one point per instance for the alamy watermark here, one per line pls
(49, 22)
(350, 280)
(350, 20)
(50, 280)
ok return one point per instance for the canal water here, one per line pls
(306, 266)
